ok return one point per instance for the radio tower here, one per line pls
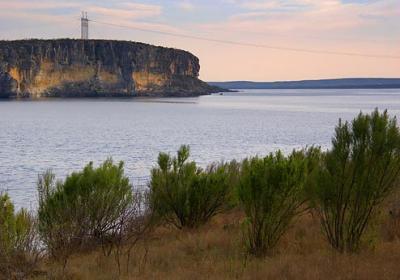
(84, 26)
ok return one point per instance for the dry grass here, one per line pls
(215, 252)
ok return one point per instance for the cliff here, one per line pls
(95, 68)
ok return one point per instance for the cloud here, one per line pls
(369, 26)
(122, 12)
(302, 16)
(23, 5)
(19, 12)
(29, 17)
(126, 11)
(120, 9)
(186, 5)
(269, 5)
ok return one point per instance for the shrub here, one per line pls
(271, 191)
(185, 195)
(84, 209)
(356, 175)
(135, 225)
(19, 250)
(391, 225)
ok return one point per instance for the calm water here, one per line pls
(66, 134)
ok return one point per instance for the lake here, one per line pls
(65, 134)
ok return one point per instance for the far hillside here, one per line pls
(348, 83)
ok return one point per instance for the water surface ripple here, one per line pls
(65, 134)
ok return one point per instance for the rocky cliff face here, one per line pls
(78, 68)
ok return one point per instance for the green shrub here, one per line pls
(356, 175)
(19, 250)
(185, 195)
(84, 209)
(271, 191)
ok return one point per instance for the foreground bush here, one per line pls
(271, 191)
(19, 250)
(183, 194)
(356, 176)
(88, 207)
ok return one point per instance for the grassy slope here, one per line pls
(215, 252)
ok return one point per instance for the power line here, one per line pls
(332, 38)
(281, 48)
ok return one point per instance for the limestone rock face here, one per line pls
(90, 68)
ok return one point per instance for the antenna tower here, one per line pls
(84, 26)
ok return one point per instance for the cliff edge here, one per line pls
(96, 68)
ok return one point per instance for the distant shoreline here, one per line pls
(346, 83)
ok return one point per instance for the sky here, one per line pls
(324, 27)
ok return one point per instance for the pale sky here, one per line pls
(353, 26)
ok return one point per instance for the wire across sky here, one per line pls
(237, 43)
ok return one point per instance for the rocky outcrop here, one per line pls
(96, 68)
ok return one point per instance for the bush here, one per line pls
(135, 225)
(185, 195)
(356, 175)
(19, 250)
(271, 191)
(84, 209)
(391, 226)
